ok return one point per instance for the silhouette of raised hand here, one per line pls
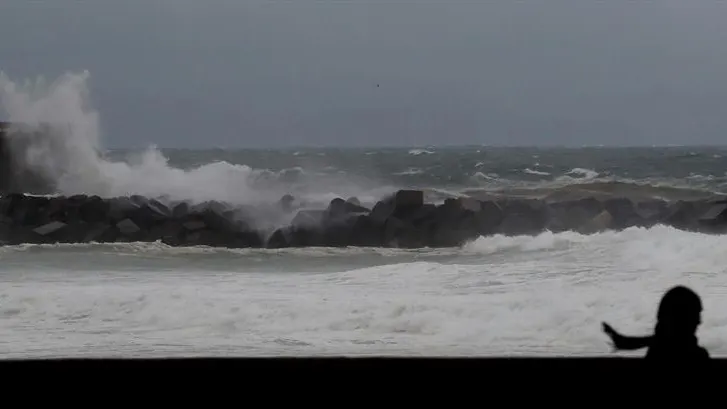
(622, 342)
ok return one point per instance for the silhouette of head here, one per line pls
(679, 313)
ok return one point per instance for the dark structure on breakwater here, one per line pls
(15, 175)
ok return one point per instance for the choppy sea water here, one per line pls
(543, 295)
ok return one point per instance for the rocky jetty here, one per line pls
(401, 220)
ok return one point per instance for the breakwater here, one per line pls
(400, 220)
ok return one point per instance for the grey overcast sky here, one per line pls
(250, 73)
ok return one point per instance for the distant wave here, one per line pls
(417, 152)
(535, 172)
(632, 190)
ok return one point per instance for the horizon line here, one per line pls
(443, 146)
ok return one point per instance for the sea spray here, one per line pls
(71, 154)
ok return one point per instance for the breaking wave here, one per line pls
(75, 164)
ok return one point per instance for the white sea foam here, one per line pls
(417, 152)
(543, 295)
(535, 172)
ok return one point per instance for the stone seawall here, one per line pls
(402, 220)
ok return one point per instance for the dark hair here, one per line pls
(678, 312)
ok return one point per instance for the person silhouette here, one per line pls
(674, 337)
